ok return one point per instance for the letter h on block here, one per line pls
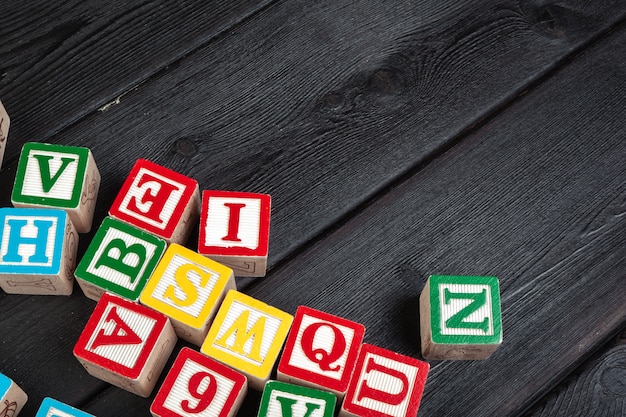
(199, 386)
(119, 259)
(12, 398)
(385, 384)
(125, 344)
(247, 335)
(158, 200)
(320, 351)
(460, 317)
(53, 408)
(37, 251)
(234, 230)
(285, 400)
(188, 288)
(56, 176)
(4, 130)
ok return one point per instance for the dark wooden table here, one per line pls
(398, 139)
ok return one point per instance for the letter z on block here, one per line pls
(281, 399)
(158, 200)
(460, 317)
(385, 384)
(125, 344)
(56, 176)
(53, 408)
(199, 386)
(37, 251)
(12, 398)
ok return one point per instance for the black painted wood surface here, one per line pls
(397, 140)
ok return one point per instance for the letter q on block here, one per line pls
(321, 351)
(385, 384)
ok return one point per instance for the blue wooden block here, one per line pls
(12, 398)
(37, 251)
(53, 408)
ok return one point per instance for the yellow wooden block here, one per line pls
(188, 288)
(247, 335)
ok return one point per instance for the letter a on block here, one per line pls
(320, 351)
(247, 335)
(53, 408)
(125, 344)
(199, 386)
(158, 200)
(287, 400)
(234, 230)
(460, 317)
(385, 384)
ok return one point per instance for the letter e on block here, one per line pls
(125, 344)
(57, 176)
(53, 408)
(247, 335)
(281, 399)
(460, 317)
(158, 200)
(5, 122)
(320, 351)
(234, 230)
(199, 386)
(12, 398)
(37, 251)
(385, 384)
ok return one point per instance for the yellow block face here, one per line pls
(247, 334)
(186, 286)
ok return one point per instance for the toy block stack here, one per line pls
(54, 408)
(283, 399)
(125, 344)
(12, 398)
(199, 386)
(5, 122)
(460, 317)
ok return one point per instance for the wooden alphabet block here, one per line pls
(158, 200)
(37, 251)
(12, 398)
(282, 399)
(247, 335)
(199, 386)
(460, 317)
(56, 176)
(384, 384)
(119, 259)
(188, 288)
(234, 230)
(320, 351)
(53, 408)
(125, 344)
(5, 122)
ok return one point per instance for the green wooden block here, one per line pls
(460, 317)
(281, 399)
(56, 176)
(119, 259)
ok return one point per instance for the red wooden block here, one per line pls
(199, 386)
(125, 344)
(321, 351)
(234, 230)
(158, 200)
(385, 384)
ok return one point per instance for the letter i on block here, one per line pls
(53, 408)
(4, 130)
(188, 288)
(119, 259)
(125, 344)
(385, 384)
(320, 351)
(12, 398)
(199, 386)
(37, 251)
(56, 176)
(460, 317)
(247, 335)
(281, 399)
(234, 230)
(158, 200)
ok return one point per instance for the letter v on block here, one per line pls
(281, 399)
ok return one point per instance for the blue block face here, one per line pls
(53, 408)
(31, 240)
(5, 384)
